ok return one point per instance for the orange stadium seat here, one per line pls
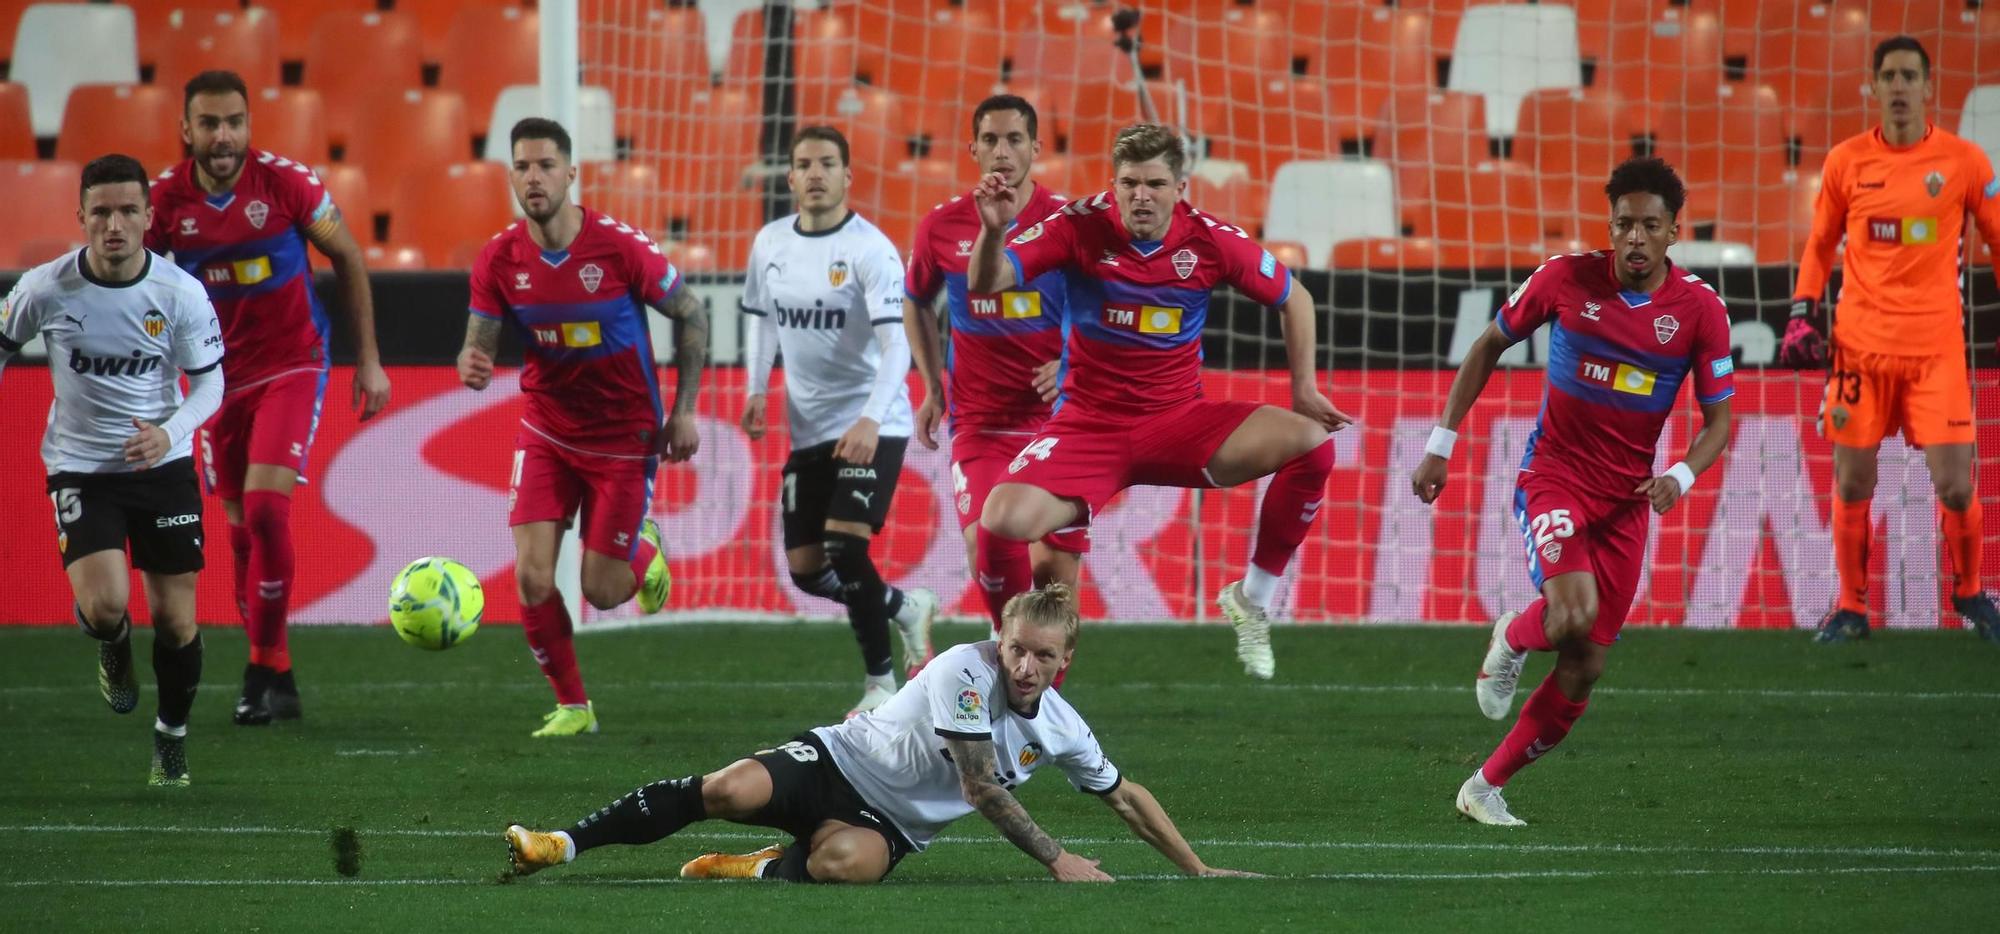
(351, 54)
(1230, 56)
(1061, 60)
(708, 140)
(745, 65)
(17, 124)
(628, 191)
(444, 210)
(155, 18)
(894, 199)
(1573, 138)
(242, 41)
(43, 201)
(486, 49)
(959, 57)
(435, 20)
(348, 186)
(1421, 130)
(692, 257)
(875, 122)
(1299, 118)
(1820, 68)
(827, 59)
(1963, 57)
(1658, 58)
(10, 20)
(298, 18)
(408, 131)
(1101, 109)
(1774, 217)
(1239, 199)
(1398, 253)
(1290, 252)
(1495, 202)
(642, 55)
(289, 122)
(139, 120)
(1056, 172)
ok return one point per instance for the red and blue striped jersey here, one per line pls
(590, 376)
(1136, 308)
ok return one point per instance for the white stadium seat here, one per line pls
(1320, 203)
(591, 139)
(62, 45)
(1710, 254)
(1979, 121)
(1505, 52)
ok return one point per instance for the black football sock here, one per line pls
(178, 671)
(821, 583)
(119, 634)
(790, 867)
(867, 602)
(647, 814)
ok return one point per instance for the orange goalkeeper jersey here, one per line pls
(1903, 212)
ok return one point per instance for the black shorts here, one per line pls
(157, 510)
(808, 790)
(818, 488)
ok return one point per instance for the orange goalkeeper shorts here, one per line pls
(1870, 396)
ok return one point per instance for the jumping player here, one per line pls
(239, 220)
(859, 796)
(121, 329)
(1000, 344)
(1899, 194)
(1140, 264)
(1626, 328)
(573, 283)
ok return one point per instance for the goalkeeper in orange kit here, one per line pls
(1900, 194)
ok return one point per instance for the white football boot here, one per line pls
(1500, 673)
(872, 696)
(913, 622)
(1253, 631)
(1482, 802)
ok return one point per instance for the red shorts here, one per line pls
(272, 423)
(1568, 531)
(978, 461)
(551, 480)
(1086, 457)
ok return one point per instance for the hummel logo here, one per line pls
(1537, 749)
(1110, 258)
(1590, 310)
(864, 498)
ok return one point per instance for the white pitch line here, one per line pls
(83, 687)
(1881, 850)
(1514, 874)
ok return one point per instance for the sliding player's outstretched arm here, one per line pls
(1429, 477)
(994, 802)
(1149, 822)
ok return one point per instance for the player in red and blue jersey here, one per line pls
(239, 220)
(1626, 328)
(1140, 265)
(1004, 347)
(574, 285)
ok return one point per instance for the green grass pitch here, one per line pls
(1743, 781)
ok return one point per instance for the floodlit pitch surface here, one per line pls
(1742, 780)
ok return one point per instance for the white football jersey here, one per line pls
(826, 292)
(116, 352)
(895, 755)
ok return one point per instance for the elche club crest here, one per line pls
(1552, 552)
(836, 274)
(1184, 262)
(592, 276)
(1934, 183)
(1665, 327)
(154, 323)
(257, 212)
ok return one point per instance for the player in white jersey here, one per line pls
(859, 796)
(121, 327)
(826, 287)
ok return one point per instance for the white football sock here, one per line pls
(160, 726)
(569, 845)
(1258, 586)
(885, 682)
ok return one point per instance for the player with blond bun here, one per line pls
(859, 796)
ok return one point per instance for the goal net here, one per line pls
(1414, 163)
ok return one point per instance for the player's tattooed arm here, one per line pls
(974, 759)
(690, 316)
(482, 344)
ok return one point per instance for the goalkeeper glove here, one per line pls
(1804, 344)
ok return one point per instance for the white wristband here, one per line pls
(1440, 442)
(1682, 475)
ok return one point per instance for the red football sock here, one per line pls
(550, 636)
(1962, 533)
(1852, 524)
(1527, 633)
(1545, 720)
(267, 516)
(642, 558)
(1290, 503)
(1003, 571)
(239, 548)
